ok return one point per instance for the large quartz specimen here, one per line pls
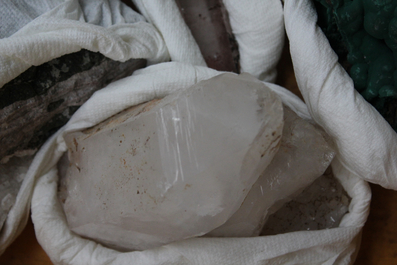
(173, 168)
(303, 156)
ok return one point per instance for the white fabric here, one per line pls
(64, 247)
(257, 25)
(165, 16)
(17, 13)
(64, 30)
(366, 143)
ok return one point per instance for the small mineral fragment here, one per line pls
(320, 206)
(303, 156)
(363, 34)
(171, 168)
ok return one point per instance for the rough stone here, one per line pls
(322, 205)
(173, 168)
(303, 156)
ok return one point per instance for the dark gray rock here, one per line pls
(208, 22)
(38, 102)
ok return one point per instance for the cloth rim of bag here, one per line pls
(64, 247)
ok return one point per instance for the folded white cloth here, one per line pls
(367, 145)
(258, 27)
(16, 14)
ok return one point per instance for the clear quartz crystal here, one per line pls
(12, 174)
(303, 156)
(322, 205)
(165, 170)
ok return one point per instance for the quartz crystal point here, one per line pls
(303, 156)
(322, 205)
(173, 168)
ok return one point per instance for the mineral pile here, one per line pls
(303, 156)
(11, 177)
(41, 100)
(321, 205)
(171, 168)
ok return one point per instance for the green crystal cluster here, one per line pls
(364, 35)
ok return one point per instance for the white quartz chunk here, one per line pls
(303, 156)
(173, 168)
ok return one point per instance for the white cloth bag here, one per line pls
(366, 144)
(64, 247)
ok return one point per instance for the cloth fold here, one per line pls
(64, 30)
(367, 145)
(305, 247)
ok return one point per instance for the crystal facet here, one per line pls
(173, 168)
(303, 156)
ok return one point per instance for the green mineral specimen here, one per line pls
(364, 35)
